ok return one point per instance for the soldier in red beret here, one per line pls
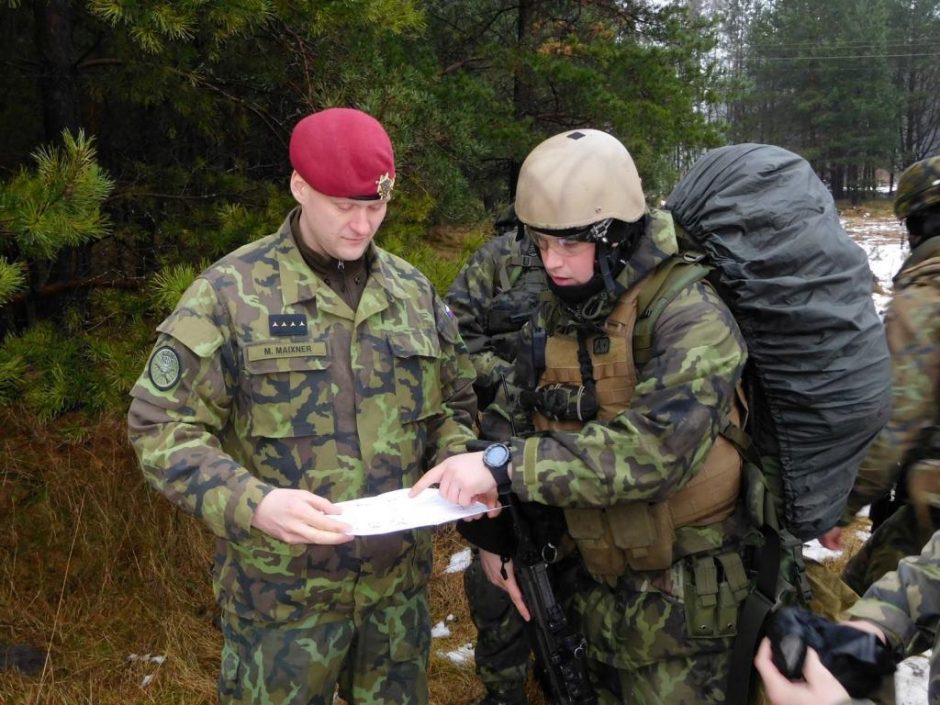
(307, 368)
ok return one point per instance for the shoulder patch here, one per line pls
(164, 368)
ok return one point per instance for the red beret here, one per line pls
(344, 153)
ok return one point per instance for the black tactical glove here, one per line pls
(858, 659)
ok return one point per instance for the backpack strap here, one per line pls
(672, 276)
(659, 289)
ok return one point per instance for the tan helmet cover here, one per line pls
(577, 178)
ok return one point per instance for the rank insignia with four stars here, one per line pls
(287, 324)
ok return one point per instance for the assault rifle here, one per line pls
(559, 650)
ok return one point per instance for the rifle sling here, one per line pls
(751, 619)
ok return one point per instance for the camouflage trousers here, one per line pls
(900, 535)
(639, 646)
(378, 655)
(502, 648)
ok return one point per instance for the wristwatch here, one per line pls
(496, 458)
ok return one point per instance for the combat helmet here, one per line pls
(918, 187)
(583, 185)
(578, 178)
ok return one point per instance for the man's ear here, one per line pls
(298, 186)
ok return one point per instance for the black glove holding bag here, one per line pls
(859, 660)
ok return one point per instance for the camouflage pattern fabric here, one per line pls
(376, 655)
(906, 605)
(502, 648)
(494, 294)
(917, 187)
(264, 378)
(652, 632)
(913, 331)
(899, 536)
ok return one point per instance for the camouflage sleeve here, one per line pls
(914, 341)
(470, 296)
(180, 404)
(450, 432)
(906, 603)
(651, 449)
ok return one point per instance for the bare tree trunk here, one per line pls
(58, 76)
(521, 90)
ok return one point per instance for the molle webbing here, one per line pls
(658, 290)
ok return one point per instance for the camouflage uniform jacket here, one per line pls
(913, 330)
(905, 604)
(493, 296)
(282, 385)
(656, 445)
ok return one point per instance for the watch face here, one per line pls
(496, 456)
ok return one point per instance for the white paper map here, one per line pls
(396, 511)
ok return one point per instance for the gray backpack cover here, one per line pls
(818, 375)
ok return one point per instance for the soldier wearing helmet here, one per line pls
(494, 294)
(631, 453)
(907, 451)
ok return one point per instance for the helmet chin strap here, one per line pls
(607, 256)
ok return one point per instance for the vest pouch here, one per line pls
(591, 532)
(645, 532)
(713, 587)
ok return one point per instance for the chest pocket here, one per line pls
(417, 360)
(290, 396)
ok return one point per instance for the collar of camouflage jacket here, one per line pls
(925, 259)
(301, 283)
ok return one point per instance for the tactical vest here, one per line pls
(636, 535)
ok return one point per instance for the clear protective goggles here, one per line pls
(571, 241)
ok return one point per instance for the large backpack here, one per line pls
(818, 378)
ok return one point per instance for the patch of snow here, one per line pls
(817, 552)
(147, 658)
(459, 562)
(462, 656)
(910, 680)
(439, 630)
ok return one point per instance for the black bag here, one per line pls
(818, 375)
(858, 659)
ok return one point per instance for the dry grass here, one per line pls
(96, 566)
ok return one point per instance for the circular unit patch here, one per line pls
(164, 368)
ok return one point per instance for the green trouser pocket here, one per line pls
(714, 586)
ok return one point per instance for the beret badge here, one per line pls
(384, 185)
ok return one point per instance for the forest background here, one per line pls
(143, 139)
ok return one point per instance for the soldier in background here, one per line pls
(912, 436)
(623, 450)
(493, 296)
(306, 368)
